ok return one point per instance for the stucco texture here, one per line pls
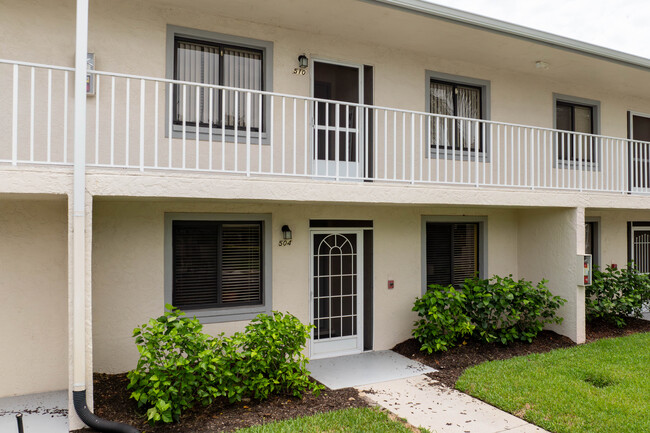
(128, 264)
(34, 296)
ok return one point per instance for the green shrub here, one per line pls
(506, 310)
(176, 368)
(266, 359)
(616, 294)
(180, 366)
(491, 310)
(443, 319)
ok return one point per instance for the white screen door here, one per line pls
(336, 292)
(337, 148)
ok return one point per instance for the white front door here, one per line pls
(337, 139)
(336, 291)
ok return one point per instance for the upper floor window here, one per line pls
(579, 118)
(208, 58)
(464, 99)
(210, 63)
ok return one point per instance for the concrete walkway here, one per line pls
(364, 368)
(425, 403)
(42, 413)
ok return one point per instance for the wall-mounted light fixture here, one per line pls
(286, 233)
(303, 61)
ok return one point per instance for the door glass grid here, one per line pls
(642, 250)
(335, 285)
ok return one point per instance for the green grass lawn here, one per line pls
(363, 420)
(600, 387)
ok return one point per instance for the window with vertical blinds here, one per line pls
(575, 118)
(451, 252)
(458, 100)
(217, 64)
(217, 264)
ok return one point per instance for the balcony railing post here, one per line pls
(248, 134)
(142, 109)
(14, 120)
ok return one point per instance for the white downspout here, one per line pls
(79, 201)
(79, 236)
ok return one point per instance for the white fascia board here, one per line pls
(468, 18)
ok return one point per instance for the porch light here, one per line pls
(303, 63)
(286, 233)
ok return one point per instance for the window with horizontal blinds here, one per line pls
(217, 264)
(217, 64)
(451, 252)
(458, 100)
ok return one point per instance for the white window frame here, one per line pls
(266, 47)
(222, 314)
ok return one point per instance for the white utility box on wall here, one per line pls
(585, 274)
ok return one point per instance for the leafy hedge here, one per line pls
(180, 366)
(616, 294)
(490, 310)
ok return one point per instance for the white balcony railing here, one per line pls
(149, 124)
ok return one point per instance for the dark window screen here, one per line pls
(451, 252)
(216, 264)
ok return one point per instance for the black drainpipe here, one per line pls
(95, 422)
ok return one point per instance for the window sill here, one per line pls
(218, 135)
(231, 314)
(457, 155)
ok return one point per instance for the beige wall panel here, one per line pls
(548, 241)
(33, 293)
(613, 233)
(128, 270)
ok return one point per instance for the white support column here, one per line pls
(549, 240)
(79, 261)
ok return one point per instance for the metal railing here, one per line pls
(146, 123)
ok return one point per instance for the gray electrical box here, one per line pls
(90, 78)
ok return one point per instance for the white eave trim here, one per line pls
(510, 29)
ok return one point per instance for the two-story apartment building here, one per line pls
(329, 159)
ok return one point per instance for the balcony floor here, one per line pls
(46, 412)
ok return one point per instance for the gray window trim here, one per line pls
(595, 257)
(231, 314)
(484, 85)
(483, 241)
(265, 46)
(595, 105)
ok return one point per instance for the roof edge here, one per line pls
(516, 30)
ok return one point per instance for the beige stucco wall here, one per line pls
(33, 294)
(549, 241)
(613, 235)
(128, 268)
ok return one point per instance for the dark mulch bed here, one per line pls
(112, 399)
(112, 402)
(600, 329)
(451, 364)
